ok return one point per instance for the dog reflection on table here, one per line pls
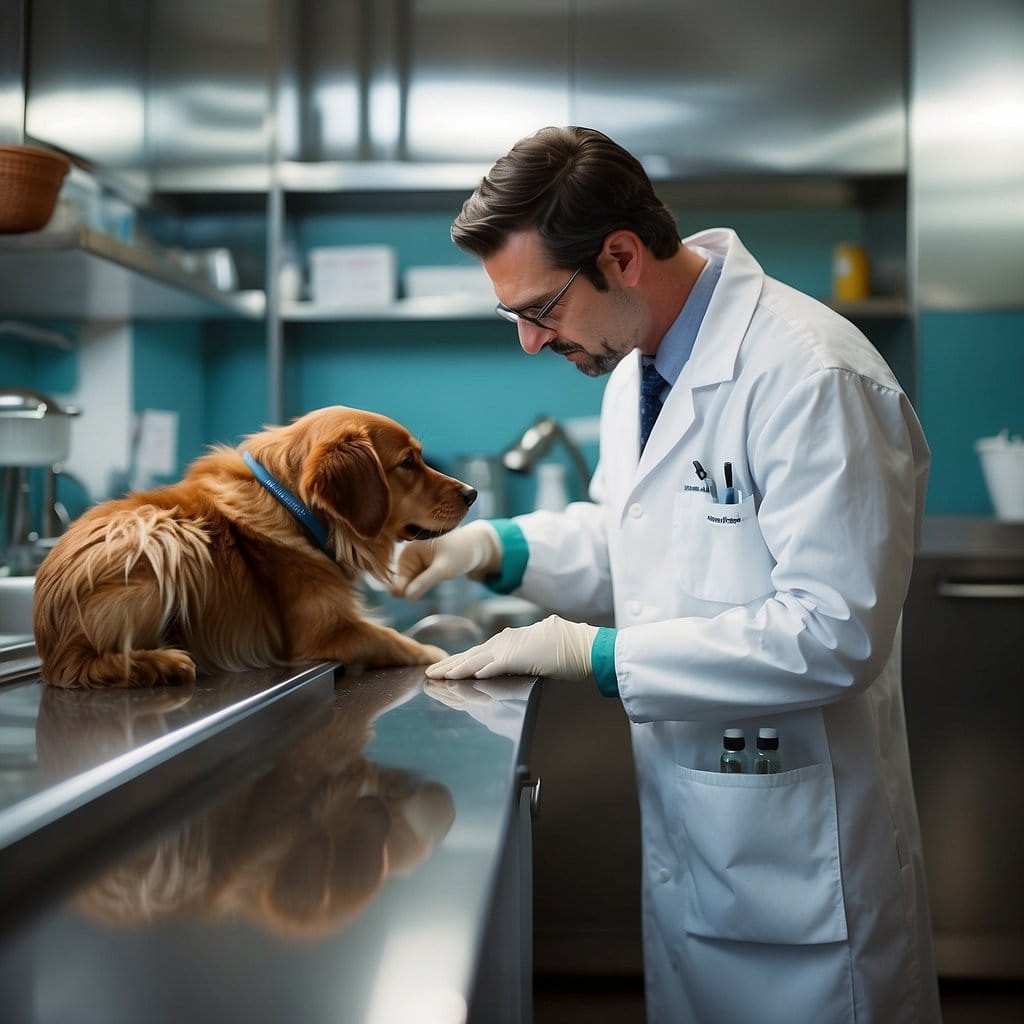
(252, 560)
(301, 851)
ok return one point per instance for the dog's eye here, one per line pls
(409, 462)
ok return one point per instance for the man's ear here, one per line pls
(621, 257)
(345, 477)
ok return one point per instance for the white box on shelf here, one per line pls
(353, 275)
(428, 282)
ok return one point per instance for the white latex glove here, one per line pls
(554, 647)
(474, 550)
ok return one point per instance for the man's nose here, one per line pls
(533, 338)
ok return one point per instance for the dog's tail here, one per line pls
(109, 594)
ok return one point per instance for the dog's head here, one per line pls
(368, 471)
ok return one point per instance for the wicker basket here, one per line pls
(30, 180)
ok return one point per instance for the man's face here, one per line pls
(594, 330)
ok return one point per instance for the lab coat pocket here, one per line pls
(763, 856)
(719, 552)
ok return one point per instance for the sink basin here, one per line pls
(452, 633)
(16, 606)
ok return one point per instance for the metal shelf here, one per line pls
(471, 307)
(379, 176)
(875, 307)
(441, 307)
(85, 274)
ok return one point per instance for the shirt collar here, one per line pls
(675, 348)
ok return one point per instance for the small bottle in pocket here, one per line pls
(734, 759)
(766, 758)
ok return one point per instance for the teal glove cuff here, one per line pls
(602, 661)
(515, 554)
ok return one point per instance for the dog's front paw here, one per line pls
(428, 654)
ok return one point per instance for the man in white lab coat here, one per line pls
(768, 593)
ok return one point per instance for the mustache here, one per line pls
(565, 348)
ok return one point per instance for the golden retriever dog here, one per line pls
(252, 560)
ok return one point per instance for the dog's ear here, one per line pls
(346, 478)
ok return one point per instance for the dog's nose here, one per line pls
(468, 495)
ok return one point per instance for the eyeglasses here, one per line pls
(514, 316)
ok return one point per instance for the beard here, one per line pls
(592, 365)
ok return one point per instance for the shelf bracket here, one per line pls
(35, 335)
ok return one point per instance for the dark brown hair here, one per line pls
(574, 186)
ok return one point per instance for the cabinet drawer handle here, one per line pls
(533, 785)
(1008, 590)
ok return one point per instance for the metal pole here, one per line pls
(13, 60)
(275, 219)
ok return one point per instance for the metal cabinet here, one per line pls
(785, 87)
(86, 79)
(962, 656)
(156, 95)
(586, 841)
(208, 93)
(503, 986)
(967, 144)
(452, 81)
(737, 87)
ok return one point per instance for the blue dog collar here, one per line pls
(298, 510)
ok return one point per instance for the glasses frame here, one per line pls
(514, 316)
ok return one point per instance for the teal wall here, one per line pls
(234, 380)
(27, 365)
(972, 385)
(168, 373)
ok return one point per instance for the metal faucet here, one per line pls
(536, 441)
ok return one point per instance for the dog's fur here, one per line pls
(213, 573)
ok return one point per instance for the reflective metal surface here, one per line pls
(321, 111)
(481, 76)
(12, 71)
(200, 93)
(161, 94)
(349, 877)
(87, 68)
(695, 91)
(737, 87)
(16, 594)
(452, 81)
(103, 278)
(208, 92)
(77, 762)
(967, 137)
(962, 652)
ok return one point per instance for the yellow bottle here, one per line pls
(851, 273)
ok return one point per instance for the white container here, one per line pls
(35, 430)
(431, 282)
(353, 276)
(552, 495)
(1002, 463)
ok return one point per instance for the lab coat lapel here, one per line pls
(715, 350)
(672, 423)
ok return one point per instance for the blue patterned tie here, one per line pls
(651, 387)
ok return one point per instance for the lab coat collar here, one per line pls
(730, 311)
(716, 348)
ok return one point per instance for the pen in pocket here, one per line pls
(732, 495)
(702, 476)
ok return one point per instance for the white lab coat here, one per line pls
(795, 897)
